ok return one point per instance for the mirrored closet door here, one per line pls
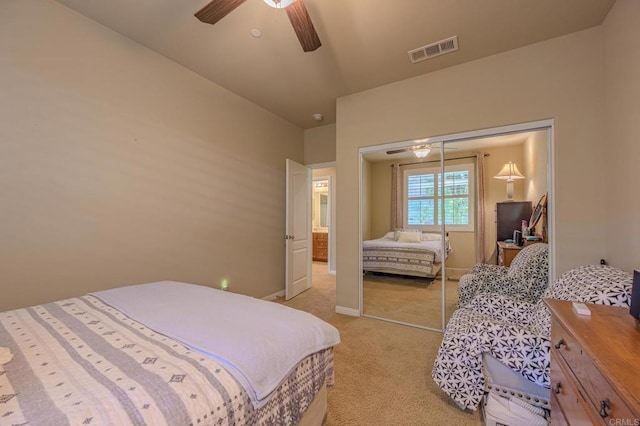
(404, 237)
(428, 216)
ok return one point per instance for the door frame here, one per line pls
(547, 124)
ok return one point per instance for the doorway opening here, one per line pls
(323, 214)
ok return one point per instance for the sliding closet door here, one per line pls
(403, 236)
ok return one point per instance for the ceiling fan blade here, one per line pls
(216, 10)
(398, 151)
(303, 26)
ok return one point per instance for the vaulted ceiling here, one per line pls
(364, 42)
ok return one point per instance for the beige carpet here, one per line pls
(410, 300)
(383, 370)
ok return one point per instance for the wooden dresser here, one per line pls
(507, 252)
(595, 366)
(320, 248)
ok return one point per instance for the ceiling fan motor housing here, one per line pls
(296, 11)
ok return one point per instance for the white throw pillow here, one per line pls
(429, 236)
(409, 237)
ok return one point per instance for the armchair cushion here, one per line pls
(526, 278)
(600, 284)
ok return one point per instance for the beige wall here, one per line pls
(559, 79)
(535, 166)
(119, 166)
(622, 136)
(320, 144)
(535, 170)
(367, 200)
(380, 208)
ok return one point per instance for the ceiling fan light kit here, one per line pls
(296, 11)
(421, 152)
(279, 4)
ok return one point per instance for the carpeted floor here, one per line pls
(407, 299)
(383, 370)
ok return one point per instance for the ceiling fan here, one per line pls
(420, 151)
(297, 12)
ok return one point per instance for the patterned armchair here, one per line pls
(516, 332)
(527, 277)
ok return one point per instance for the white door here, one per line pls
(298, 230)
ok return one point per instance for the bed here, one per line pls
(405, 253)
(164, 353)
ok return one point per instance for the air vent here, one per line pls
(434, 49)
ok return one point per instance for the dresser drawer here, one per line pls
(321, 243)
(597, 390)
(557, 416)
(565, 344)
(563, 390)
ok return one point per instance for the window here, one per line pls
(423, 191)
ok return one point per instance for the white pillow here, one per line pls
(409, 237)
(390, 235)
(428, 236)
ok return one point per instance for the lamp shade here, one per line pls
(279, 4)
(509, 172)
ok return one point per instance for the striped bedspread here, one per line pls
(80, 361)
(399, 260)
(421, 259)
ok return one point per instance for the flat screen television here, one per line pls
(635, 295)
(509, 217)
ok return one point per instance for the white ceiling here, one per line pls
(364, 42)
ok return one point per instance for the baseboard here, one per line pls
(347, 311)
(274, 296)
(454, 274)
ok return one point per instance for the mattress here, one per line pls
(81, 361)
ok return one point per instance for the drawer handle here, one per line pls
(560, 344)
(556, 388)
(604, 406)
